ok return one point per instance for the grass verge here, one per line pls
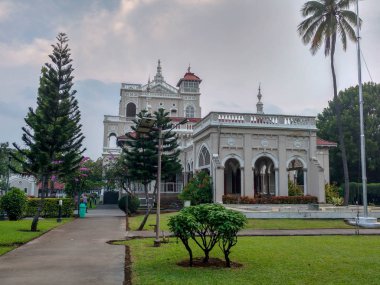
(265, 260)
(16, 233)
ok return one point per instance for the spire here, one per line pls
(188, 69)
(148, 88)
(158, 77)
(260, 105)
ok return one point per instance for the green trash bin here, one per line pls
(82, 210)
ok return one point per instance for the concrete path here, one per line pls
(75, 253)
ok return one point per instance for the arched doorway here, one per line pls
(264, 177)
(296, 177)
(232, 177)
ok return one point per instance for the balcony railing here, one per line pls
(256, 120)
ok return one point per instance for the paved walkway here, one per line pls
(75, 253)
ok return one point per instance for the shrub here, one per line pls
(198, 190)
(332, 195)
(50, 207)
(208, 225)
(14, 203)
(294, 189)
(232, 199)
(133, 203)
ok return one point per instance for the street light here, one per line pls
(145, 126)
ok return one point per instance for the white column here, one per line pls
(242, 184)
(277, 181)
(305, 182)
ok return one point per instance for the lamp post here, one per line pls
(145, 126)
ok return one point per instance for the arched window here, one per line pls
(204, 158)
(189, 112)
(112, 140)
(131, 110)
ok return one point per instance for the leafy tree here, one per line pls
(208, 225)
(4, 153)
(326, 20)
(14, 202)
(327, 126)
(198, 190)
(89, 176)
(53, 136)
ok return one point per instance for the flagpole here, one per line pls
(362, 137)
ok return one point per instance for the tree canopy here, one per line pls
(327, 129)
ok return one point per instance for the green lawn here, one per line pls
(15, 233)
(265, 260)
(272, 224)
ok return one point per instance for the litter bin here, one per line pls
(82, 210)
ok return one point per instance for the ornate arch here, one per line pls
(203, 157)
(235, 156)
(296, 157)
(265, 154)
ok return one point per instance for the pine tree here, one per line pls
(141, 154)
(53, 137)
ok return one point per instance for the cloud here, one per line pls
(6, 9)
(20, 54)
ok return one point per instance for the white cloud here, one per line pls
(18, 54)
(6, 9)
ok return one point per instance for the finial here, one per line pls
(148, 88)
(188, 69)
(159, 76)
(259, 105)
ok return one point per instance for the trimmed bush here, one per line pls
(232, 199)
(50, 208)
(14, 203)
(198, 190)
(208, 225)
(294, 189)
(133, 203)
(332, 195)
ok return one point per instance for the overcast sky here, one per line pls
(231, 45)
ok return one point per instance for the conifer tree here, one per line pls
(52, 136)
(141, 154)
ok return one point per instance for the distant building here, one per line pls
(246, 154)
(24, 183)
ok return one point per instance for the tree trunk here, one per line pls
(338, 111)
(227, 258)
(44, 184)
(149, 208)
(207, 256)
(190, 252)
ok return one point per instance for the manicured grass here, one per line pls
(14, 233)
(295, 224)
(272, 224)
(265, 260)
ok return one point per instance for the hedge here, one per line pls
(356, 193)
(50, 209)
(233, 199)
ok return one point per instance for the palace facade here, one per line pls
(246, 154)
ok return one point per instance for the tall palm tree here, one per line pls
(326, 20)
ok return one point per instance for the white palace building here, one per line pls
(246, 154)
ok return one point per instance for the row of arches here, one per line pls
(264, 173)
(131, 108)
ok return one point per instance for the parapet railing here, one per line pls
(256, 120)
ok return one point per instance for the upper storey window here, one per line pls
(131, 110)
(189, 112)
(190, 86)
